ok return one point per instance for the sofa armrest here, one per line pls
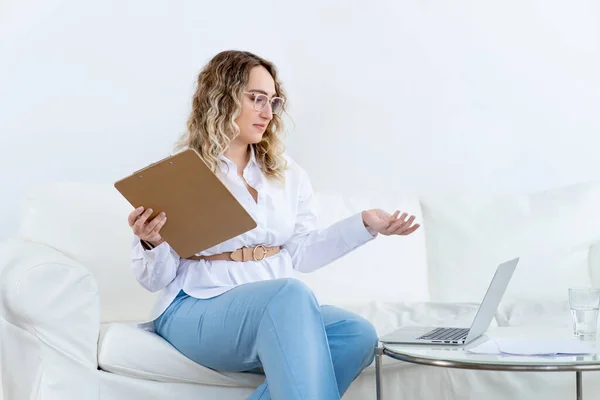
(49, 324)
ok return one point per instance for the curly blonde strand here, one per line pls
(216, 104)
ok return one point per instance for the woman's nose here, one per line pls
(267, 112)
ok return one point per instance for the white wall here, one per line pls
(501, 96)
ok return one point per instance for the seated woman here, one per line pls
(234, 312)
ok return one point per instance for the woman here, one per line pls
(237, 310)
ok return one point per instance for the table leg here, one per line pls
(378, 367)
(579, 384)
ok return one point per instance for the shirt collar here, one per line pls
(251, 162)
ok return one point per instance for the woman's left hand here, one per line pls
(387, 224)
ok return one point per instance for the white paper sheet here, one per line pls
(535, 347)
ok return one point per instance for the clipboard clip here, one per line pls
(139, 171)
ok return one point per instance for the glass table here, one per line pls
(458, 357)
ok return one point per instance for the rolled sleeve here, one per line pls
(156, 268)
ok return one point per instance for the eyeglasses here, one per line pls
(261, 101)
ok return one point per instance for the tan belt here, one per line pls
(257, 253)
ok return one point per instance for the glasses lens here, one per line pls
(260, 102)
(276, 105)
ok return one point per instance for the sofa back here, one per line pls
(552, 231)
(451, 258)
(88, 222)
(389, 268)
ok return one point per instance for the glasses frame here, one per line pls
(269, 101)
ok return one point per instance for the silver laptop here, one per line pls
(459, 336)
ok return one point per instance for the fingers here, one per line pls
(398, 222)
(133, 216)
(409, 230)
(139, 224)
(402, 226)
(144, 229)
(160, 225)
(156, 224)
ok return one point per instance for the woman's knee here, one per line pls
(295, 289)
(366, 332)
(361, 336)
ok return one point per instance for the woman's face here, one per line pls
(252, 122)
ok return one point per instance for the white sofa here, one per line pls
(69, 302)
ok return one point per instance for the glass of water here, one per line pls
(584, 303)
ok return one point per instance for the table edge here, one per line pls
(474, 365)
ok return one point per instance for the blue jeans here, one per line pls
(307, 351)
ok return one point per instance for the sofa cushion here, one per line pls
(128, 350)
(125, 349)
(389, 268)
(469, 234)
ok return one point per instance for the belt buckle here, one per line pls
(263, 255)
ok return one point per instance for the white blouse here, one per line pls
(285, 216)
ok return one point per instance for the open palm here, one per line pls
(388, 224)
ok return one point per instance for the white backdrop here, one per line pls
(502, 96)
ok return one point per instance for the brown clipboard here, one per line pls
(201, 211)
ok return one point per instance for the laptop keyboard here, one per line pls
(446, 334)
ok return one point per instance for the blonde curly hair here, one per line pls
(217, 103)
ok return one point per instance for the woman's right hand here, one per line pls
(144, 229)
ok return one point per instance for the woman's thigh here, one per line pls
(220, 332)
